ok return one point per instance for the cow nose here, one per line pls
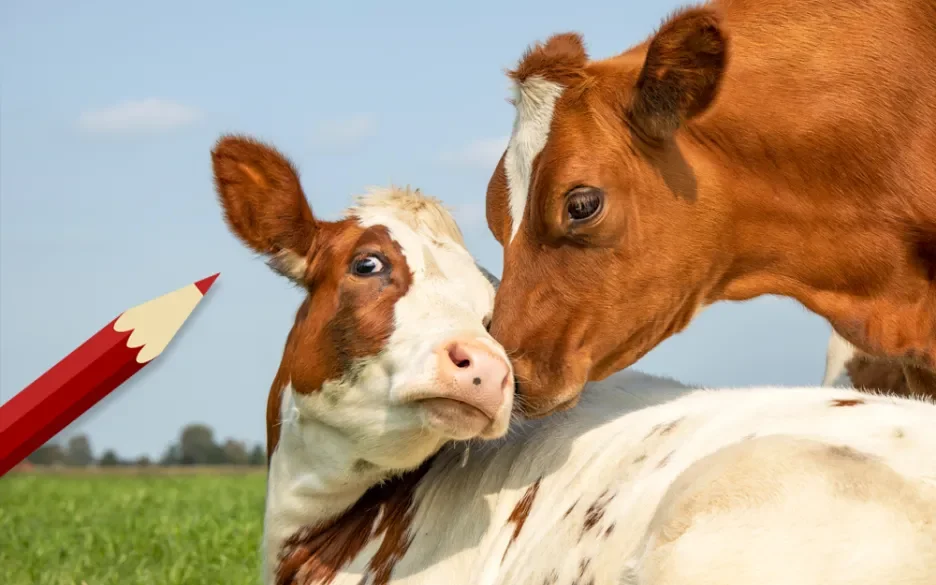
(481, 377)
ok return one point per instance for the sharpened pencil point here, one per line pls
(205, 283)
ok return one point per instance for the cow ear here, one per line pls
(496, 204)
(263, 203)
(681, 74)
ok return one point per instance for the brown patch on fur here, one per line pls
(609, 530)
(561, 59)
(344, 317)
(669, 427)
(315, 555)
(846, 402)
(520, 512)
(641, 457)
(274, 403)
(818, 186)
(663, 428)
(596, 512)
(583, 570)
(569, 511)
(665, 460)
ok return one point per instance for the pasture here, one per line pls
(157, 528)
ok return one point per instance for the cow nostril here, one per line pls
(459, 356)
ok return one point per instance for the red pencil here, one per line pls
(88, 374)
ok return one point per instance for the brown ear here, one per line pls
(681, 74)
(263, 202)
(495, 208)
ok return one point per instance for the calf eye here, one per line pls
(369, 265)
(584, 202)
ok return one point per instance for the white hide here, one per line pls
(763, 486)
(758, 485)
(535, 101)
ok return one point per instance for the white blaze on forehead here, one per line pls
(535, 100)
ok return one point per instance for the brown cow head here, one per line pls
(593, 198)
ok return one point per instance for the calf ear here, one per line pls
(681, 74)
(263, 202)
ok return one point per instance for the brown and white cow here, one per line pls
(388, 361)
(748, 147)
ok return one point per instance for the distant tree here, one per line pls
(79, 452)
(143, 461)
(48, 454)
(235, 452)
(198, 446)
(172, 455)
(257, 455)
(109, 459)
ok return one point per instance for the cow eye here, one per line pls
(368, 265)
(583, 203)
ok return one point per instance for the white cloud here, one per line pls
(344, 134)
(148, 116)
(482, 154)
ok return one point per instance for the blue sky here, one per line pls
(108, 111)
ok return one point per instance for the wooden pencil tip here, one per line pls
(205, 283)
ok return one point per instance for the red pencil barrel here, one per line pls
(63, 393)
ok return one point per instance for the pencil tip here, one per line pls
(205, 283)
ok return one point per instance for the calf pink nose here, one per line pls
(481, 377)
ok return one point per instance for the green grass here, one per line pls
(131, 530)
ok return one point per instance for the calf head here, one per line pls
(389, 347)
(606, 251)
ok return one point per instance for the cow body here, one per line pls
(755, 486)
(746, 148)
(390, 460)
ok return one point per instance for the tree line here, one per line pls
(196, 445)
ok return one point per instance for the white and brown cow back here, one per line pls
(389, 360)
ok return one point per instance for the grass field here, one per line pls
(156, 529)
